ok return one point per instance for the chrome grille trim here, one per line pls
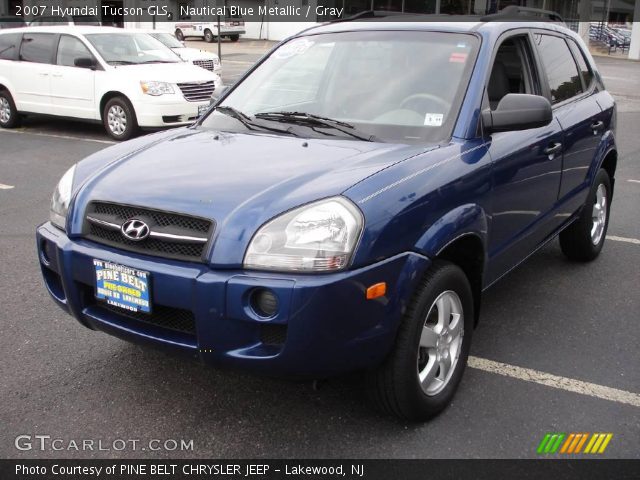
(152, 233)
(206, 64)
(197, 92)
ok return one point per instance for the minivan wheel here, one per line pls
(208, 36)
(583, 239)
(119, 118)
(9, 117)
(421, 374)
(234, 38)
(179, 35)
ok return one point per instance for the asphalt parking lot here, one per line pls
(551, 329)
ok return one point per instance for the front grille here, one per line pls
(206, 64)
(197, 92)
(166, 317)
(179, 226)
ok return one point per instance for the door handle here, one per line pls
(57, 75)
(595, 126)
(43, 74)
(553, 148)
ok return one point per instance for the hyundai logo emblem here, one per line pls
(135, 230)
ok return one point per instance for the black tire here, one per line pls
(9, 116)
(179, 35)
(208, 36)
(395, 387)
(576, 241)
(234, 38)
(130, 127)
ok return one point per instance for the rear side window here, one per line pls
(69, 49)
(8, 45)
(585, 70)
(37, 47)
(562, 73)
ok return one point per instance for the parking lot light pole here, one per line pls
(219, 40)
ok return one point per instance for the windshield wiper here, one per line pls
(121, 62)
(309, 119)
(155, 61)
(247, 121)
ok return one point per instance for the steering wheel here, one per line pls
(425, 96)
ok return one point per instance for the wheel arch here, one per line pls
(610, 162)
(4, 86)
(459, 237)
(112, 94)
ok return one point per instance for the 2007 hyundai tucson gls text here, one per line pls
(343, 206)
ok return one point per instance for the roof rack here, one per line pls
(510, 13)
(514, 12)
(369, 14)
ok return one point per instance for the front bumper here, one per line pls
(324, 325)
(152, 114)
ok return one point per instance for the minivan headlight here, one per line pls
(156, 88)
(318, 237)
(61, 198)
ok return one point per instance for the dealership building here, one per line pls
(267, 21)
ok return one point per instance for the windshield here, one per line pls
(131, 48)
(396, 86)
(167, 39)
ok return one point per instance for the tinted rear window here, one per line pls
(8, 45)
(37, 47)
(562, 73)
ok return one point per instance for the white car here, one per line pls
(201, 58)
(231, 27)
(123, 79)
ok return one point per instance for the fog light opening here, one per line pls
(43, 253)
(264, 302)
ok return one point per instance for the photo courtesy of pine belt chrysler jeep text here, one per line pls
(318, 220)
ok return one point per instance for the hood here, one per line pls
(238, 180)
(179, 72)
(190, 54)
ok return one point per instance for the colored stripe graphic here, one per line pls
(582, 441)
(572, 443)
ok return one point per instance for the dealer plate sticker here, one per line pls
(122, 286)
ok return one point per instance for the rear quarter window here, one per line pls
(561, 70)
(9, 43)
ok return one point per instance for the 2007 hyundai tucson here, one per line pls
(345, 204)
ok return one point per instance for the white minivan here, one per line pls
(123, 79)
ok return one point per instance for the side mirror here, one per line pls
(217, 93)
(85, 62)
(518, 111)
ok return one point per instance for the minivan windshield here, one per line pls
(131, 48)
(393, 86)
(167, 39)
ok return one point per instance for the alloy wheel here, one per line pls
(440, 343)
(5, 110)
(599, 214)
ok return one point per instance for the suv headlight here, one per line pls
(156, 88)
(61, 198)
(318, 237)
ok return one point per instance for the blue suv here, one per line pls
(345, 204)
